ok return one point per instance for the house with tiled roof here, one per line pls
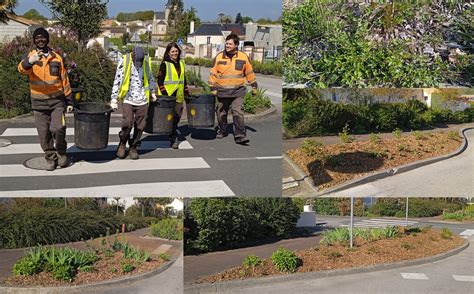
(16, 26)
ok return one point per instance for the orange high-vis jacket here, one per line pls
(230, 74)
(48, 77)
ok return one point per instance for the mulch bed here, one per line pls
(102, 272)
(324, 257)
(331, 165)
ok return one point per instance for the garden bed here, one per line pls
(409, 245)
(65, 266)
(331, 165)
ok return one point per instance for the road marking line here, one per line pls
(112, 146)
(93, 167)
(466, 234)
(212, 188)
(249, 158)
(16, 132)
(463, 278)
(414, 276)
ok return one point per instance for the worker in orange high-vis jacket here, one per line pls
(50, 93)
(230, 72)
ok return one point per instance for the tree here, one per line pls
(6, 6)
(184, 27)
(82, 17)
(175, 20)
(33, 14)
(247, 19)
(238, 18)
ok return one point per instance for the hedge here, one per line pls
(267, 68)
(94, 70)
(25, 227)
(308, 115)
(213, 224)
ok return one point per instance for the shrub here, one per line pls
(31, 226)
(169, 228)
(337, 235)
(311, 147)
(164, 256)
(446, 233)
(251, 261)
(258, 102)
(285, 260)
(26, 266)
(344, 136)
(126, 266)
(373, 138)
(397, 133)
(223, 223)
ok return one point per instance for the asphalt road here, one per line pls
(453, 177)
(271, 84)
(203, 166)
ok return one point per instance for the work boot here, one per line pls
(220, 135)
(242, 140)
(50, 164)
(121, 150)
(174, 143)
(133, 153)
(63, 160)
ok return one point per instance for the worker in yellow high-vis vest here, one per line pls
(133, 86)
(172, 82)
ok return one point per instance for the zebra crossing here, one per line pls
(24, 145)
(382, 223)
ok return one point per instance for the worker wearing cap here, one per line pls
(230, 71)
(133, 86)
(50, 93)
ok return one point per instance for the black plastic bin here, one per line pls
(91, 125)
(161, 116)
(201, 111)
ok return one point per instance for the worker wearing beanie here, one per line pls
(133, 86)
(50, 93)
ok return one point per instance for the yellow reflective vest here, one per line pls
(125, 86)
(174, 82)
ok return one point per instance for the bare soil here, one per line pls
(325, 257)
(331, 165)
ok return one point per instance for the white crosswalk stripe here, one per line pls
(381, 223)
(83, 167)
(466, 234)
(17, 132)
(463, 278)
(179, 188)
(168, 189)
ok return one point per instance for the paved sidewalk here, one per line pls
(197, 266)
(327, 140)
(8, 257)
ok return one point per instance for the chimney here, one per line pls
(191, 27)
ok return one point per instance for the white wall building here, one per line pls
(16, 26)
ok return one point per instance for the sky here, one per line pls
(207, 9)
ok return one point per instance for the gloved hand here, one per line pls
(69, 108)
(214, 92)
(114, 105)
(254, 92)
(153, 97)
(35, 57)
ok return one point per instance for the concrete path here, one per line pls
(451, 275)
(453, 177)
(206, 264)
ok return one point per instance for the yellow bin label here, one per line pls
(169, 117)
(193, 112)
